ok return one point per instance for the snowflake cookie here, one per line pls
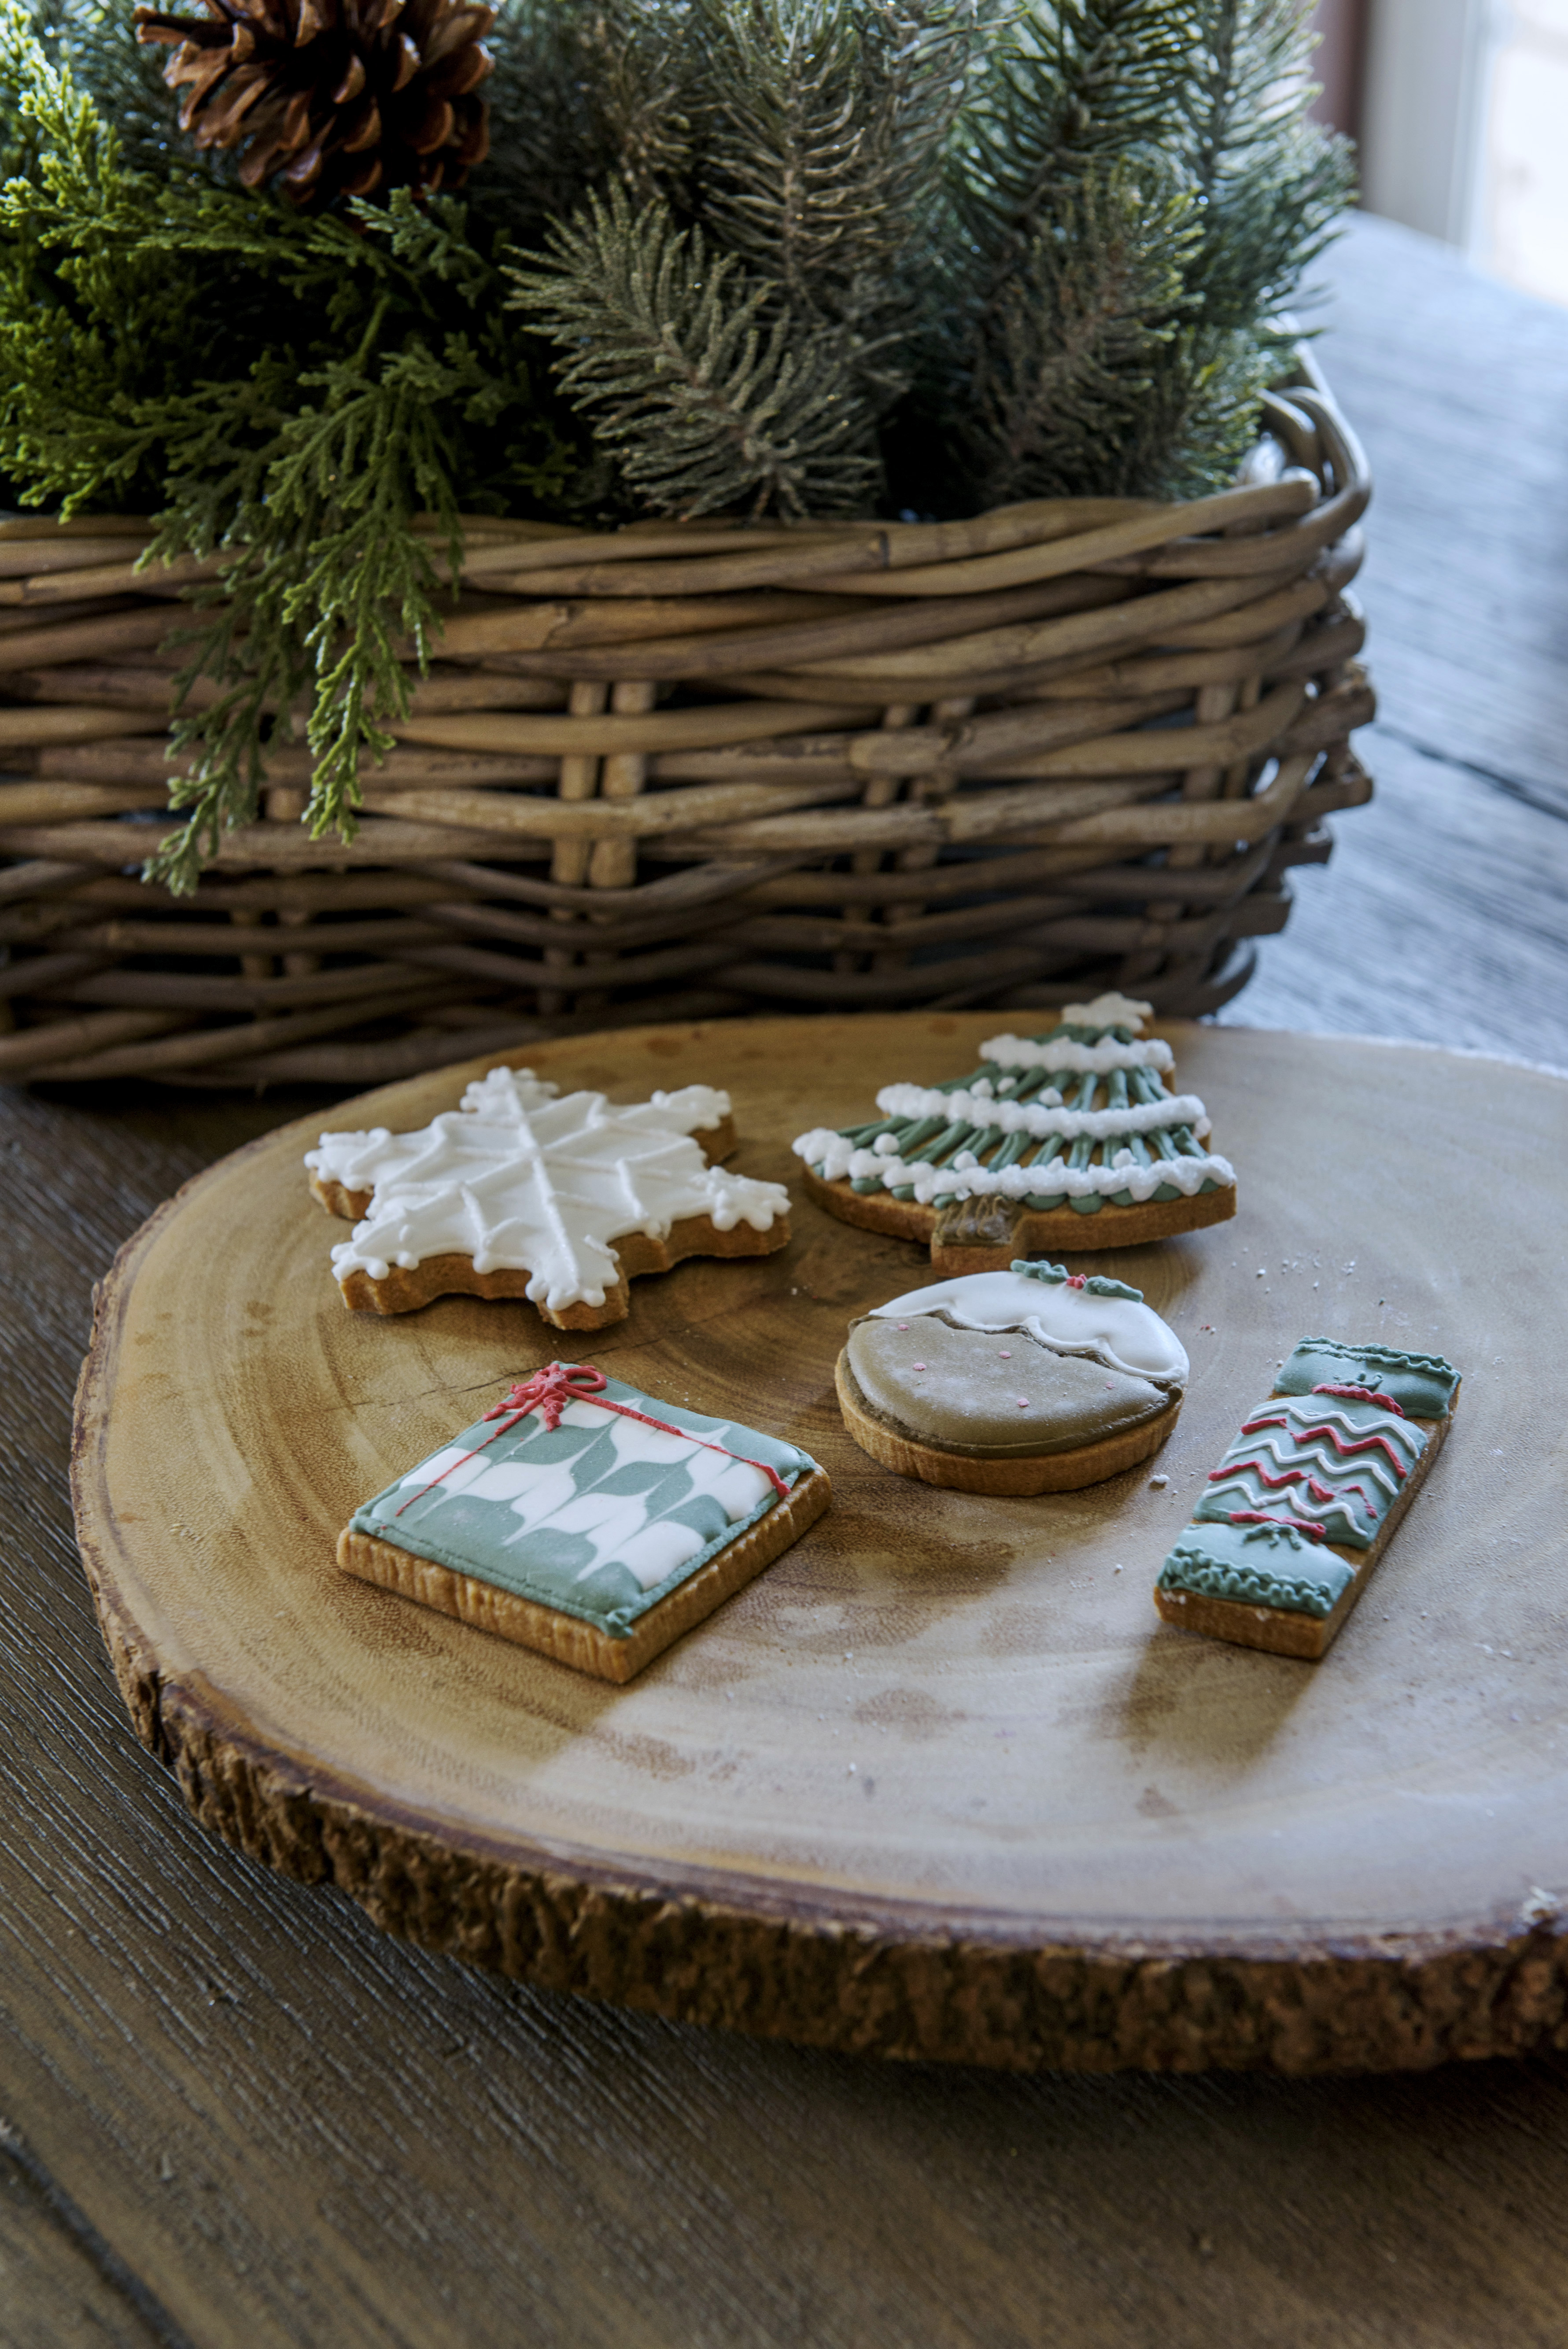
(525, 1191)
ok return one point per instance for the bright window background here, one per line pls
(1520, 222)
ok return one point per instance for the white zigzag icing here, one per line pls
(1320, 1460)
(1319, 1411)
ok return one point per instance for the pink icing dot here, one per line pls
(1024, 1402)
(1005, 1355)
(919, 1366)
(903, 1325)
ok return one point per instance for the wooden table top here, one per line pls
(231, 2112)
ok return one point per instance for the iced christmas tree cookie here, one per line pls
(1024, 1382)
(1069, 1140)
(526, 1192)
(586, 1520)
(1306, 1502)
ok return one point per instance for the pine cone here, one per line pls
(335, 96)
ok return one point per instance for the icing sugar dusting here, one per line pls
(523, 1176)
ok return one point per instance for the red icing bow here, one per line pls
(549, 1390)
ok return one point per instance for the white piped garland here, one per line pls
(1032, 1117)
(982, 1105)
(1076, 1060)
(834, 1156)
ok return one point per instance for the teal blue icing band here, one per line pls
(479, 1532)
(1036, 1268)
(1259, 1565)
(1423, 1385)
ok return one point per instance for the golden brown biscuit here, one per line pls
(1056, 1143)
(586, 1520)
(560, 1200)
(1031, 1380)
(1309, 1496)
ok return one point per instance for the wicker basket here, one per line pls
(685, 772)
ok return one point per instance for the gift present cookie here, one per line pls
(1069, 1140)
(527, 1192)
(586, 1520)
(1017, 1383)
(1306, 1500)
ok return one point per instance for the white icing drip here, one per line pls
(835, 1156)
(619, 1525)
(1076, 1060)
(1114, 1331)
(1032, 1117)
(1112, 1010)
(516, 1178)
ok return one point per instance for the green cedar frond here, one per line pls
(702, 404)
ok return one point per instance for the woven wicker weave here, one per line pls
(685, 772)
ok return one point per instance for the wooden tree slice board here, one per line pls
(940, 1783)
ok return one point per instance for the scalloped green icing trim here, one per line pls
(1422, 1384)
(1210, 1561)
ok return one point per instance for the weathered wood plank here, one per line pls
(1456, 385)
(60, 2287)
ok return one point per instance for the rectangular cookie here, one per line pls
(1308, 1499)
(586, 1520)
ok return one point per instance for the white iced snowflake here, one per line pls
(522, 1176)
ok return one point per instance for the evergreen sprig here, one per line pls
(363, 372)
(758, 256)
(1107, 133)
(702, 403)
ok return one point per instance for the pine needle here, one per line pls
(702, 404)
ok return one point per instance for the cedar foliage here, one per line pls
(782, 257)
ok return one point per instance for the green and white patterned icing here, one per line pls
(1121, 1139)
(600, 1518)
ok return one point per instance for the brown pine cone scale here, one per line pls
(333, 98)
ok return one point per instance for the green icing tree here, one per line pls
(924, 1137)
